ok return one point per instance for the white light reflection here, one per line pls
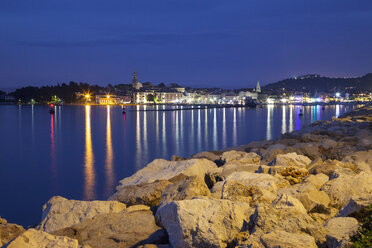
(235, 136)
(224, 127)
(337, 111)
(89, 173)
(138, 139)
(291, 118)
(284, 121)
(110, 177)
(269, 121)
(215, 145)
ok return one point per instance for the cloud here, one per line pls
(133, 39)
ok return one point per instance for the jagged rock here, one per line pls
(204, 222)
(277, 146)
(9, 231)
(241, 157)
(327, 166)
(342, 188)
(59, 212)
(124, 229)
(163, 169)
(213, 176)
(356, 206)
(212, 155)
(362, 159)
(283, 239)
(265, 181)
(291, 159)
(269, 156)
(235, 191)
(268, 219)
(144, 193)
(185, 188)
(284, 201)
(339, 230)
(292, 174)
(230, 168)
(154, 246)
(137, 208)
(37, 239)
(317, 180)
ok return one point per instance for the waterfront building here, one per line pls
(112, 99)
(258, 87)
(153, 94)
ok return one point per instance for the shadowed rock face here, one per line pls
(59, 212)
(9, 231)
(124, 229)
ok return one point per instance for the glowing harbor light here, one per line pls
(284, 100)
(338, 94)
(107, 96)
(270, 101)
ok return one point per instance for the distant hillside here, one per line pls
(318, 83)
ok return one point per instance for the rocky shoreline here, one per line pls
(305, 189)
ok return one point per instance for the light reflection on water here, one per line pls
(81, 152)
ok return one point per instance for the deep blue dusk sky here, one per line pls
(194, 43)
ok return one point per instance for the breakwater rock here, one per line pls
(308, 188)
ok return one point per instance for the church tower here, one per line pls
(135, 83)
(258, 87)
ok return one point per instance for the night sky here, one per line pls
(199, 43)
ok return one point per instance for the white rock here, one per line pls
(164, 169)
(339, 230)
(284, 239)
(37, 239)
(355, 205)
(317, 180)
(291, 159)
(265, 181)
(204, 222)
(59, 212)
(241, 157)
(286, 201)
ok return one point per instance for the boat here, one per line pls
(51, 110)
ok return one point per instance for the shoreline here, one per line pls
(231, 197)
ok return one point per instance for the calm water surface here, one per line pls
(81, 152)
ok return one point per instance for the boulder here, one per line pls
(212, 155)
(235, 191)
(279, 146)
(291, 159)
(362, 159)
(184, 188)
(317, 180)
(38, 239)
(213, 176)
(124, 229)
(339, 230)
(241, 157)
(163, 169)
(292, 174)
(283, 239)
(264, 181)
(9, 231)
(154, 246)
(230, 168)
(268, 219)
(357, 185)
(284, 201)
(329, 165)
(204, 222)
(144, 193)
(356, 207)
(310, 150)
(59, 212)
(216, 190)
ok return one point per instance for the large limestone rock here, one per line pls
(291, 159)
(59, 212)
(284, 239)
(184, 188)
(204, 222)
(9, 231)
(253, 194)
(212, 155)
(357, 206)
(327, 144)
(310, 150)
(339, 230)
(163, 169)
(37, 239)
(292, 174)
(230, 168)
(124, 229)
(145, 193)
(328, 166)
(268, 219)
(284, 201)
(343, 187)
(317, 180)
(240, 157)
(362, 159)
(264, 181)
